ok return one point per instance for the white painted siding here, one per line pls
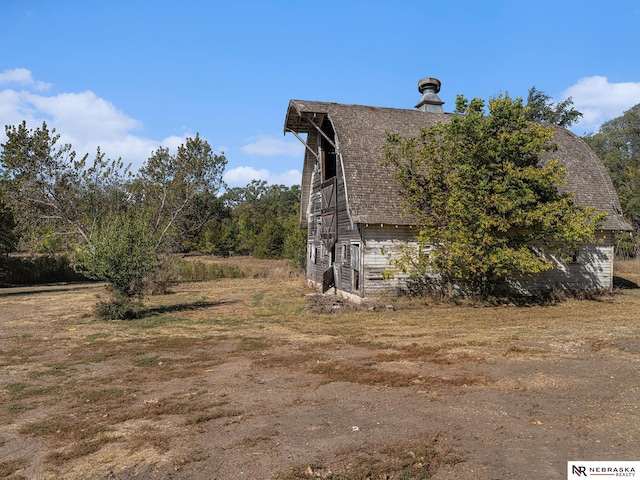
(592, 270)
(380, 245)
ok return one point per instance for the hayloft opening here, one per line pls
(328, 148)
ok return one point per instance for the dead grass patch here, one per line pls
(9, 467)
(63, 429)
(78, 449)
(207, 417)
(148, 436)
(369, 374)
(258, 439)
(415, 461)
(295, 360)
(342, 372)
(80, 384)
(171, 405)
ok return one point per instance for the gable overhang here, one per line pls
(299, 122)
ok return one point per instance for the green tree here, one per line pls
(178, 191)
(123, 253)
(104, 211)
(52, 192)
(8, 237)
(482, 198)
(540, 108)
(270, 239)
(295, 241)
(617, 143)
(260, 214)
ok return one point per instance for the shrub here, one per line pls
(122, 253)
(118, 309)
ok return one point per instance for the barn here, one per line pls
(352, 209)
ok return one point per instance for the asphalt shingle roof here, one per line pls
(373, 195)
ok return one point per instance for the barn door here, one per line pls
(355, 267)
(328, 279)
(329, 229)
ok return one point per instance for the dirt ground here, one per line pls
(257, 378)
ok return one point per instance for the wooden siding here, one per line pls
(380, 245)
(591, 270)
(336, 254)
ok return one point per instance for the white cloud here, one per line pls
(85, 114)
(288, 178)
(242, 176)
(265, 145)
(600, 101)
(87, 122)
(83, 120)
(22, 77)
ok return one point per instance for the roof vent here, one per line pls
(430, 102)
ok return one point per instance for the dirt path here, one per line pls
(243, 381)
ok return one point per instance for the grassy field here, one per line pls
(258, 377)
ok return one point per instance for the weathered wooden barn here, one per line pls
(352, 208)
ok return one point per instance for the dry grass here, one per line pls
(405, 461)
(73, 382)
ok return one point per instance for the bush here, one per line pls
(118, 309)
(628, 245)
(122, 253)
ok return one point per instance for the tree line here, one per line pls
(117, 225)
(120, 226)
(617, 143)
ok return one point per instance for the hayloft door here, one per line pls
(329, 229)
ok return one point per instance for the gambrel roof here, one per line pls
(372, 192)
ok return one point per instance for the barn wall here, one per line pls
(592, 269)
(346, 238)
(380, 245)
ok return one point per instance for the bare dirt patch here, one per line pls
(239, 378)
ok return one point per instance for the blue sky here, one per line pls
(130, 76)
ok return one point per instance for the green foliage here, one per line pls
(217, 237)
(118, 309)
(52, 191)
(30, 270)
(270, 239)
(122, 253)
(179, 191)
(617, 143)
(482, 198)
(8, 237)
(261, 221)
(540, 108)
(295, 242)
(64, 203)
